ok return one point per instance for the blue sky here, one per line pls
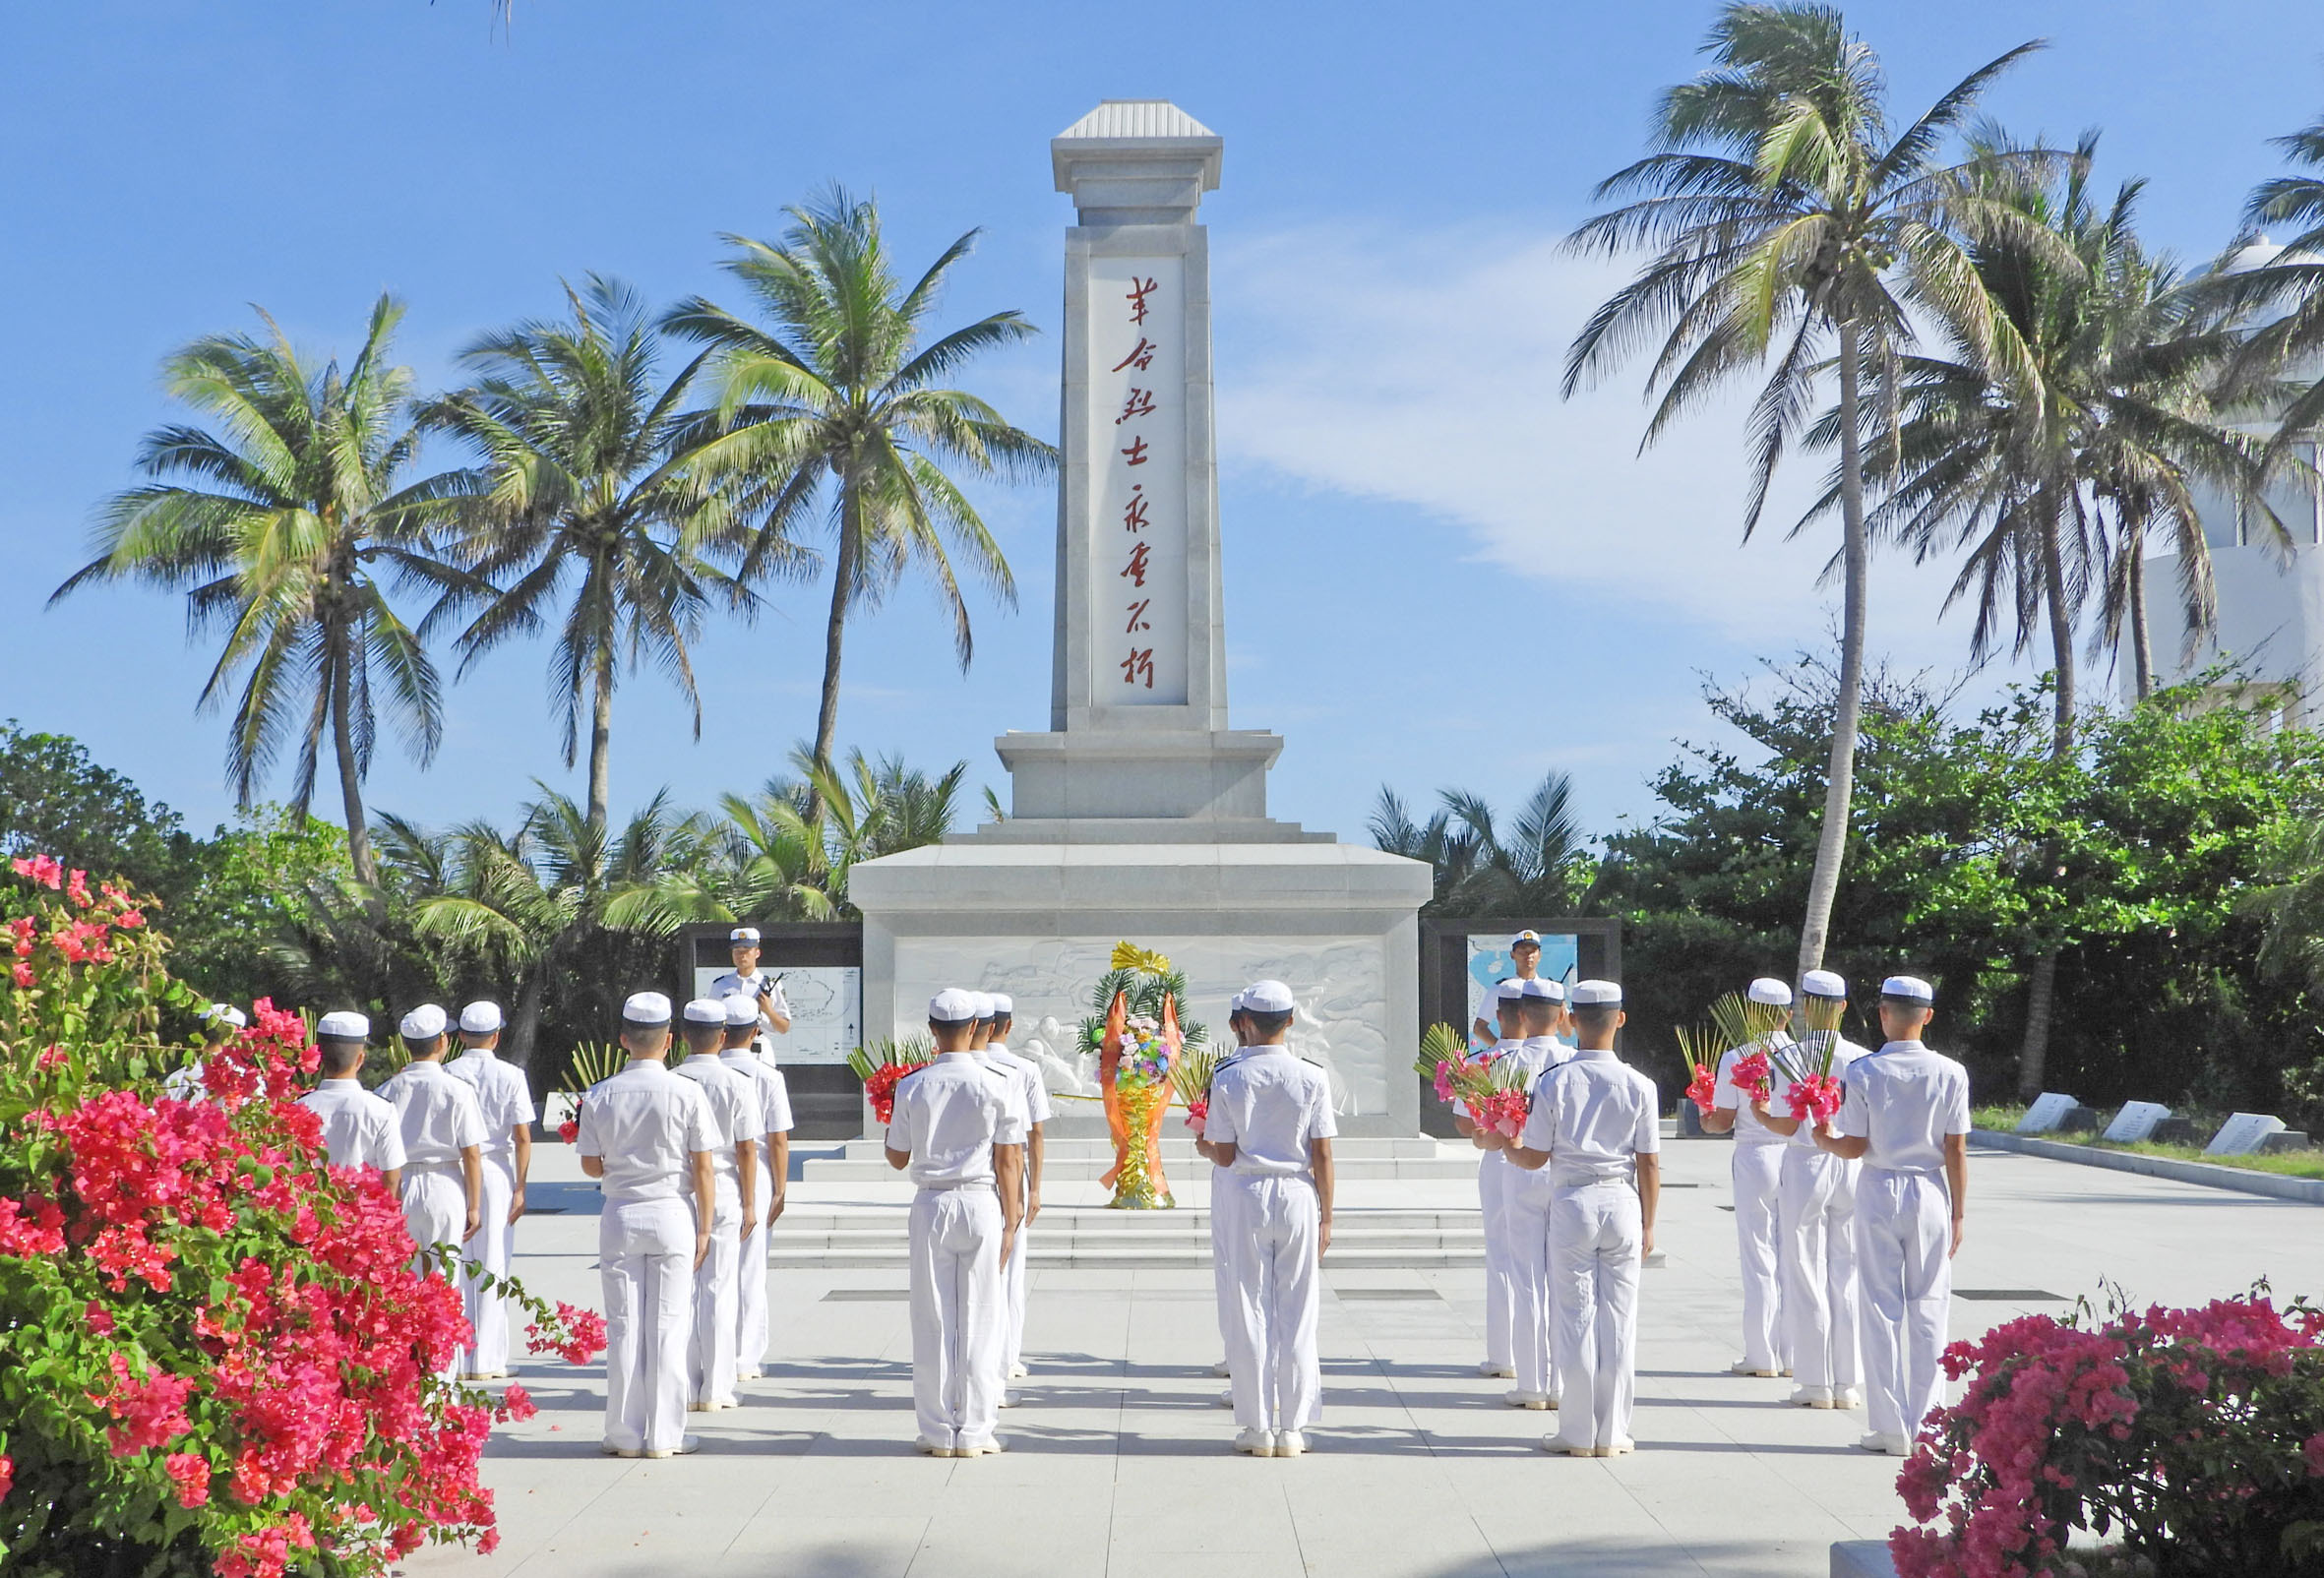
(1437, 573)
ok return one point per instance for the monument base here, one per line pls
(1334, 922)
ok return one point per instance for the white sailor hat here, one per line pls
(1236, 1005)
(1544, 991)
(953, 1006)
(1510, 991)
(1768, 992)
(646, 1008)
(743, 934)
(1526, 937)
(984, 1004)
(423, 1023)
(1003, 1006)
(481, 1018)
(1268, 997)
(1909, 989)
(1596, 995)
(1823, 984)
(343, 1024)
(741, 1009)
(705, 1010)
(225, 1014)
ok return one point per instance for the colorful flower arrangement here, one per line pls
(883, 1065)
(2195, 1438)
(1137, 1037)
(221, 1357)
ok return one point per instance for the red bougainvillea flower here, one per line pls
(516, 1404)
(7, 1477)
(45, 869)
(190, 1472)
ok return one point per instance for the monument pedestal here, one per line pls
(1140, 815)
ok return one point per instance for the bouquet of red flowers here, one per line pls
(1189, 1079)
(1814, 1096)
(1700, 1049)
(1752, 1074)
(593, 1063)
(883, 1066)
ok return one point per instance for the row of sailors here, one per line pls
(1846, 1228)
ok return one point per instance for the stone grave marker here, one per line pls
(2242, 1134)
(2048, 1112)
(2136, 1121)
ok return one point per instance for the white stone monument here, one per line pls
(2046, 1114)
(2135, 1121)
(1139, 814)
(2243, 1133)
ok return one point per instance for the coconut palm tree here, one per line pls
(277, 523)
(2284, 295)
(579, 511)
(1786, 221)
(834, 404)
(1537, 864)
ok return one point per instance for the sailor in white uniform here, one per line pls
(1906, 1115)
(1270, 1125)
(1492, 1180)
(649, 1137)
(505, 1097)
(773, 1178)
(1032, 1094)
(1817, 1194)
(1757, 1169)
(746, 979)
(959, 1134)
(1222, 1217)
(1526, 1197)
(733, 1100)
(442, 1137)
(1526, 954)
(1595, 1125)
(359, 1129)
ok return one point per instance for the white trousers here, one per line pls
(645, 1265)
(493, 1247)
(435, 1206)
(1278, 1381)
(1012, 1294)
(750, 1277)
(1819, 1211)
(1500, 1292)
(1224, 1228)
(1596, 1235)
(710, 1352)
(1526, 1199)
(1904, 1240)
(1759, 1239)
(957, 1314)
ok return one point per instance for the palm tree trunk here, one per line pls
(843, 572)
(525, 1024)
(601, 741)
(2142, 650)
(1831, 847)
(2033, 1057)
(350, 781)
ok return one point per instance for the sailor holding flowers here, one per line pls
(1757, 1169)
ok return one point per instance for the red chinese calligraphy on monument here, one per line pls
(1134, 335)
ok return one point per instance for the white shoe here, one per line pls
(611, 1450)
(1257, 1442)
(1532, 1400)
(934, 1449)
(1891, 1445)
(1489, 1368)
(1848, 1397)
(1558, 1443)
(1623, 1446)
(687, 1445)
(1018, 1373)
(1743, 1366)
(991, 1448)
(1785, 1372)
(1009, 1399)
(1811, 1397)
(1290, 1444)
(1220, 1369)
(700, 1408)
(746, 1373)
(1226, 1399)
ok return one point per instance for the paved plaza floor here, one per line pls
(1119, 1462)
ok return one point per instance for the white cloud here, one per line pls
(1424, 370)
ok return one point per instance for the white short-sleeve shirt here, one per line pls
(1593, 1114)
(1025, 1075)
(359, 1129)
(438, 1114)
(1729, 1096)
(948, 1116)
(734, 1111)
(1904, 1101)
(1270, 1107)
(773, 1092)
(766, 988)
(503, 1094)
(1801, 1062)
(647, 1125)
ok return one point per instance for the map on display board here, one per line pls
(1489, 965)
(827, 1010)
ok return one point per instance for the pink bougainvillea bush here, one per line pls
(216, 1353)
(2193, 1439)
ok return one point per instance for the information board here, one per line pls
(1489, 965)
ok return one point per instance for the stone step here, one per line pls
(1073, 1170)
